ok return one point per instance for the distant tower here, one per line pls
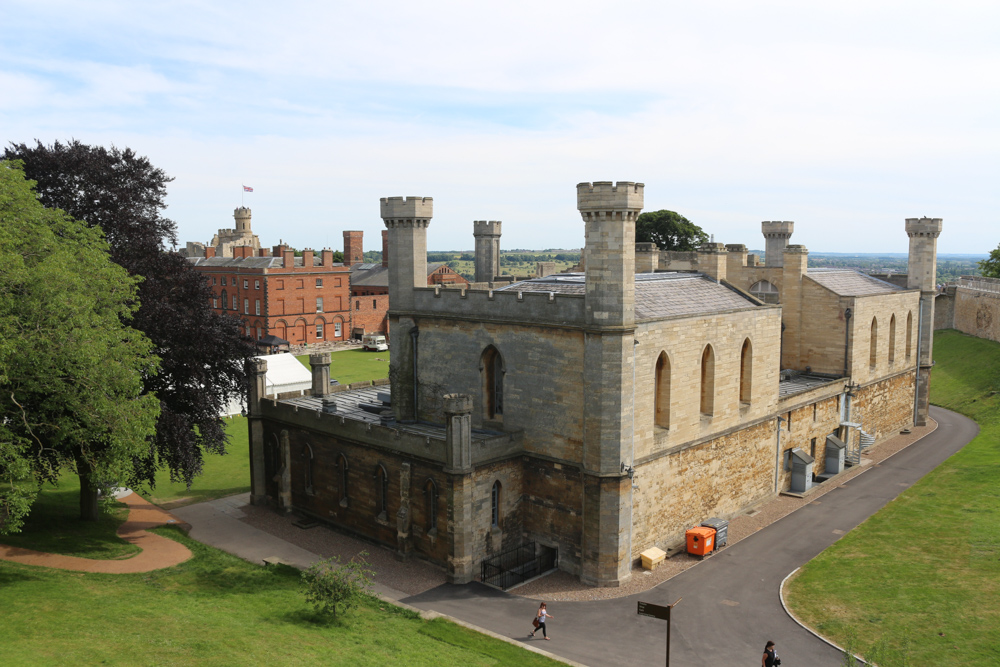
(354, 252)
(922, 274)
(777, 235)
(242, 215)
(487, 236)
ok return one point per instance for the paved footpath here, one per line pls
(731, 604)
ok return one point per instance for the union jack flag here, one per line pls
(247, 188)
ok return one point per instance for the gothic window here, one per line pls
(746, 371)
(873, 344)
(492, 369)
(892, 339)
(430, 505)
(342, 464)
(765, 291)
(307, 468)
(708, 381)
(495, 505)
(909, 334)
(382, 492)
(661, 398)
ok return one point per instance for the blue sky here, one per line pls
(846, 118)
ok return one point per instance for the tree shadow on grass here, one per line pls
(9, 577)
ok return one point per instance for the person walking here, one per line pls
(542, 616)
(770, 657)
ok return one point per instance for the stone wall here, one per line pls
(885, 406)
(977, 308)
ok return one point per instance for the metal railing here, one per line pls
(518, 564)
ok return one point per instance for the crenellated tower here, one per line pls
(922, 274)
(487, 235)
(776, 235)
(406, 219)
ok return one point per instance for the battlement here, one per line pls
(923, 227)
(486, 227)
(551, 308)
(241, 212)
(608, 196)
(394, 208)
(776, 229)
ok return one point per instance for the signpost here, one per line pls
(662, 613)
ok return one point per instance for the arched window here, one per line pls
(873, 345)
(892, 338)
(495, 505)
(342, 464)
(307, 467)
(381, 492)
(492, 369)
(909, 334)
(708, 381)
(661, 398)
(225, 300)
(746, 371)
(765, 291)
(430, 505)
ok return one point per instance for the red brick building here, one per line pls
(300, 299)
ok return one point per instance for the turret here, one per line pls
(776, 235)
(487, 235)
(922, 274)
(242, 216)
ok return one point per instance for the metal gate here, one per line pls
(518, 564)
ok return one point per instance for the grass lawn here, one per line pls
(216, 609)
(349, 366)
(54, 526)
(924, 573)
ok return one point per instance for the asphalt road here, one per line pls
(731, 605)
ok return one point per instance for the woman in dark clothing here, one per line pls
(770, 658)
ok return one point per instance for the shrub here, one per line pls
(330, 584)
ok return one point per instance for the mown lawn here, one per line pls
(216, 609)
(349, 366)
(923, 575)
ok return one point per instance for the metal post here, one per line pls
(669, 609)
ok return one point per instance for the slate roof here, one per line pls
(657, 295)
(848, 282)
(376, 275)
(239, 262)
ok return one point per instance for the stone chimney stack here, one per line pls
(776, 235)
(794, 263)
(712, 258)
(320, 362)
(647, 257)
(736, 260)
(922, 274)
(353, 248)
(487, 235)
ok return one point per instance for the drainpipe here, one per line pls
(847, 338)
(777, 453)
(916, 386)
(414, 333)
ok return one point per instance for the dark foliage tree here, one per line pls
(203, 354)
(990, 267)
(669, 231)
(71, 370)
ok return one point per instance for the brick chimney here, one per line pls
(288, 258)
(279, 250)
(209, 252)
(353, 248)
(307, 257)
(327, 257)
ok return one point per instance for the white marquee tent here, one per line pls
(284, 373)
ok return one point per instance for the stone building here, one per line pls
(602, 413)
(971, 305)
(225, 241)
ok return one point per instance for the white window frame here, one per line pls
(246, 284)
(257, 306)
(256, 284)
(319, 304)
(246, 307)
(336, 329)
(319, 331)
(236, 303)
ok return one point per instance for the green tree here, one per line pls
(330, 585)
(669, 231)
(990, 267)
(71, 370)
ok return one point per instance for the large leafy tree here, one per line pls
(203, 354)
(669, 231)
(990, 267)
(71, 370)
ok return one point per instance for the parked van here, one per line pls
(374, 343)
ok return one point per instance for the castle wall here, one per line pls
(881, 308)
(886, 406)
(977, 309)
(683, 340)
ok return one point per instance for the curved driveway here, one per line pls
(731, 604)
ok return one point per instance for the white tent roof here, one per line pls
(285, 373)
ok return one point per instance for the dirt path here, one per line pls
(157, 552)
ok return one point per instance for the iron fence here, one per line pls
(518, 564)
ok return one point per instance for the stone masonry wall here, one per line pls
(886, 406)
(977, 313)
